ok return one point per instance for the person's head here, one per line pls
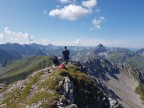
(65, 47)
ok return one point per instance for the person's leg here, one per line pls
(66, 61)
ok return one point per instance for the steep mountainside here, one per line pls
(118, 81)
(20, 69)
(117, 55)
(5, 57)
(140, 52)
(137, 62)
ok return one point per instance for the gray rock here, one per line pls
(71, 106)
(2, 86)
(67, 90)
(3, 106)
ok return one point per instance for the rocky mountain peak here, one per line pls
(101, 47)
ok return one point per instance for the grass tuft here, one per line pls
(29, 85)
(140, 90)
(41, 96)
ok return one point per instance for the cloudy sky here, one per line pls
(117, 23)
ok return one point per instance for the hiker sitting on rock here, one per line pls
(55, 61)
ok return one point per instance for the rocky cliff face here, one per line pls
(54, 88)
(118, 81)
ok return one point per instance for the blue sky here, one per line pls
(73, 22)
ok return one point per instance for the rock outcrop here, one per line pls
(67, 90)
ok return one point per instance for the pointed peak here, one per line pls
(100, 46)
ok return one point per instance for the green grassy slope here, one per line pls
(138, 62)
(140, 90)
(20, 69)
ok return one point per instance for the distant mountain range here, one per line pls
(23, 50)
(9, 52)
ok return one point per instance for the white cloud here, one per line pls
(13, 37)
(70, 12)
(7, 30)
(97, 22)
(18, 37)
(89, 3)
(74, 11)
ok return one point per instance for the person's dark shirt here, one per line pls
(56, 61)
(66, 54)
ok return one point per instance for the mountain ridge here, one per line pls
(114, 80)
(67, 88)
